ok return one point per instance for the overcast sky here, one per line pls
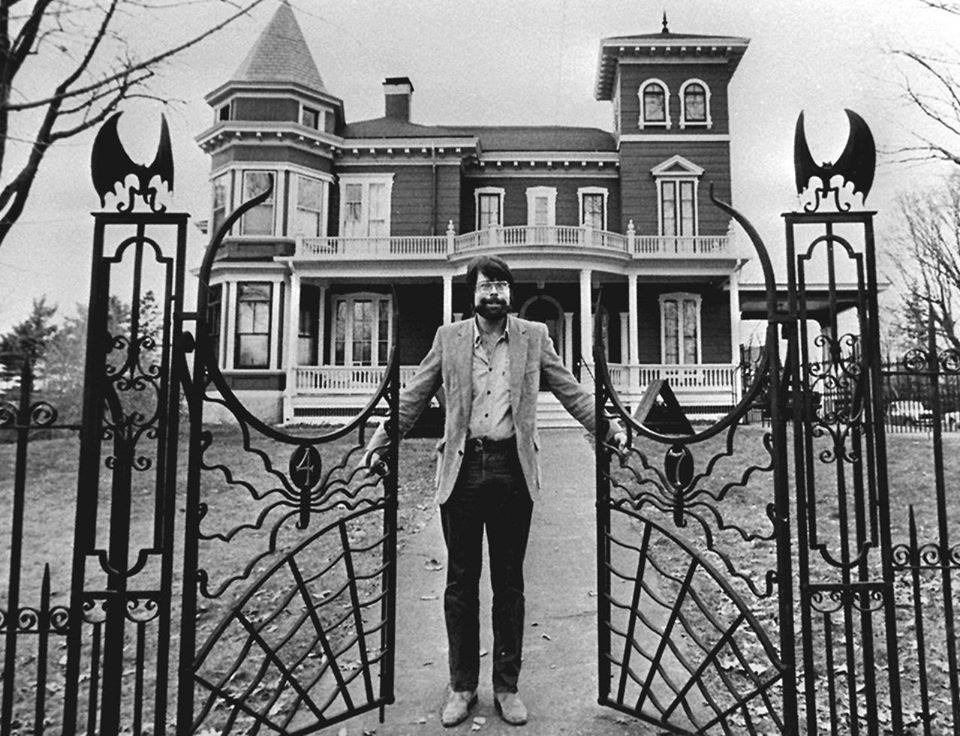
(503, 62)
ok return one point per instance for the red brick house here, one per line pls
(304, 283)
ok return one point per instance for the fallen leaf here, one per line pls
(546, 636)
(484, 652)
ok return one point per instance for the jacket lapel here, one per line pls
(518, 358)
(464, 366)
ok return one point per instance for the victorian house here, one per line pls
(365, 212)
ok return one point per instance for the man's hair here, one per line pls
(492, 267)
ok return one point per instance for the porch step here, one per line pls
(551, 414)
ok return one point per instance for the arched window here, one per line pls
(695, 104)
(654, 104)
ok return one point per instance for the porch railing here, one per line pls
(707, 378)
(345, 379)
(441, 247)
(701, 377)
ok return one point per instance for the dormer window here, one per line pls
(310, 117)
(695, 107)
(654, 104)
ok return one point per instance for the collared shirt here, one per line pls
(491, 415)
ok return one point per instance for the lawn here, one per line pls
(231, 503)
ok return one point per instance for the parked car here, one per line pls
(909, 414)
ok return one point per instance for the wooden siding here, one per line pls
(717, 77)
(639, 190)
(515, 199)
(268, 108)
(271, 155)
(411, 204)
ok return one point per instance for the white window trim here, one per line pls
(278, 195)
(294, 193)
(592, 190)
(680, 296)
(348, 327)
(365, 180)
(551, 194)
(321, 116)
(666, 105)
(696, 204)
(500, 192)
(678, 169)
(228, 202)
(683, 108)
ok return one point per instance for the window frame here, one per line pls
(294, 203)
(533, 193)
(584, 192)
(350, 299)
(272, 202)
(319, 112)
(499, 193)
(237, 334)
(365, 180)
(708, 121)
(680, 297)
(227, 201)
(215, 319)
(675, 182)
(642, 121)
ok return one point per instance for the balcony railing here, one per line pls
(516, 237)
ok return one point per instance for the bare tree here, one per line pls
(932, 86)
(926, 256)
(99, 71)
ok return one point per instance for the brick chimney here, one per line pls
(397, 93)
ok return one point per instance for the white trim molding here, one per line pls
(675, 172)
(603, 191)
(680, 297)
(642, 122)
(534, 193)
(365, 181)
(684, 123)
(500, 193)
(674, 138)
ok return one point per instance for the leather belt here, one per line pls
(477, 445)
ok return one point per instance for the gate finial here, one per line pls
(855, 165)
(110, 165)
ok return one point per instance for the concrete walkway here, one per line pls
(559, 679)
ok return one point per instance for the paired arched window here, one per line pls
(694, 104)
(654, 104)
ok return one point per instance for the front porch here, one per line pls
(320, 392)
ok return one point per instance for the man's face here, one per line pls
(491, 299)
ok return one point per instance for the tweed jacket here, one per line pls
(450, 364)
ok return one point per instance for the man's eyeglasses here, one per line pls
(488, 287)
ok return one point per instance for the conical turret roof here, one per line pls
(281, 55)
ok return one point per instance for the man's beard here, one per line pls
(492, 309)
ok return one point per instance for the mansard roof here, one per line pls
(491, 138)
(281, 55)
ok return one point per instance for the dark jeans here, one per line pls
(490, 493)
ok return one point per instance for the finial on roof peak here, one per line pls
(665, 29)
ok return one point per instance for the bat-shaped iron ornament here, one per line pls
(110, 166)
(855, 165)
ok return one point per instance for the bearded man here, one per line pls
(488, 473)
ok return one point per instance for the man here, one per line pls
(488, 472)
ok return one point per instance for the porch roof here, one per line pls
(753, 299)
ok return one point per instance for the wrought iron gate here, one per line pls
(691, 637)
(296, 631)
(816, 616)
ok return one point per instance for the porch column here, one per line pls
(229, 322)
(586, 324)
(322, 327)
(568, 340)
(633, 327)
(447, 298)
(292, 346)
(735, 331)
